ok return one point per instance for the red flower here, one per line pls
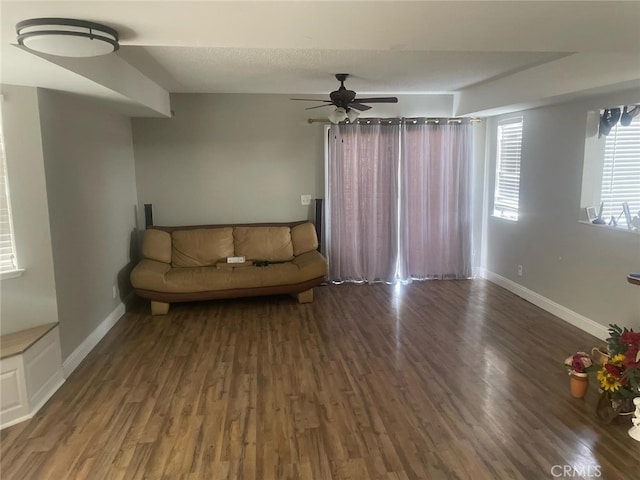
(630, 338)
(630, 357)
(613, 370)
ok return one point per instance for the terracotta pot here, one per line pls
(578, 382)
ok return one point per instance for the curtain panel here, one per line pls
(435, 201)
(362, 193)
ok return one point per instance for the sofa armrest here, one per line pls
(313, 262)
(156, 245)
(149, 274)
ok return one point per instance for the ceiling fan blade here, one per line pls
(377, 100)
(359, 106)
(310, 100)
(319, 106)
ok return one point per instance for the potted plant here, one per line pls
(619, 377)
(579, 364)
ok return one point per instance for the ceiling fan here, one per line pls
(348, 106)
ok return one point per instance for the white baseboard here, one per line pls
(569, 316)
(52, 388)
(16, 421)
(79, 354)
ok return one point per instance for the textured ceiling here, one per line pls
(295, 47)
(252, 70)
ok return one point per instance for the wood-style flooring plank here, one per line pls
(432, 380)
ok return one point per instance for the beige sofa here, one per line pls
(184, 264)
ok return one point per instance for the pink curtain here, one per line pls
(435, 201)
(398, 201)
(362, 202)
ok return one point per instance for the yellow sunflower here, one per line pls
(607, 381)
(616, 360)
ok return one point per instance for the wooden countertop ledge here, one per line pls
(18, 342)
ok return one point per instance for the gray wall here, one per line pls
(478, 173)
(239, 158)
(28, 300)
(580, 266)
(90, 174)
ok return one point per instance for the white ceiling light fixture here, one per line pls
(338, 115)
(353, 114)
(66, 37)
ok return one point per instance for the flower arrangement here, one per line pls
(579, 362)
(620, 374)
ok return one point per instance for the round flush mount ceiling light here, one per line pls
(67, 37)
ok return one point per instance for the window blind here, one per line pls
(507, 184)
(621, 172)
(7, 245)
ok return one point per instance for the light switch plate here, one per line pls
(305, 199)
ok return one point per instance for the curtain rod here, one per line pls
(428, 120)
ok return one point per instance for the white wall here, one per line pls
(240, 158)
(29, 300)
(90, 174)
(594, 147)
(582, 267)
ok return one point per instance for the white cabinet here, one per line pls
(30, 372)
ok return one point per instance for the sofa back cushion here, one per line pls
(156, 245)
(304, 238)
(263, 243)
(201, 247)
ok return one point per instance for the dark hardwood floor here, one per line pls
(434, 380)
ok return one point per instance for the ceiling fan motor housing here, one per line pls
(342, 97)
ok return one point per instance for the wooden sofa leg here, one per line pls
(306, 296)
(159, 308)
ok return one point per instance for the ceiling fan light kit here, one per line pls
(352, 114)
(338, 115)
(346, 103)
(67, 37)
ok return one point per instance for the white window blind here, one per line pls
(621, 172)
(507, 185)
(8, 261)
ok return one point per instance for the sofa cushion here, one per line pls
(160, 277)
(263, 243)
(156, 245)
(201, 247)
(304, 238)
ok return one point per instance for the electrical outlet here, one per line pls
(519, 270)
(305, 199)
(114, 292)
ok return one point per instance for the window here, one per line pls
(611, 169)
(8, 263)
(621, 172)
(507, 184)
